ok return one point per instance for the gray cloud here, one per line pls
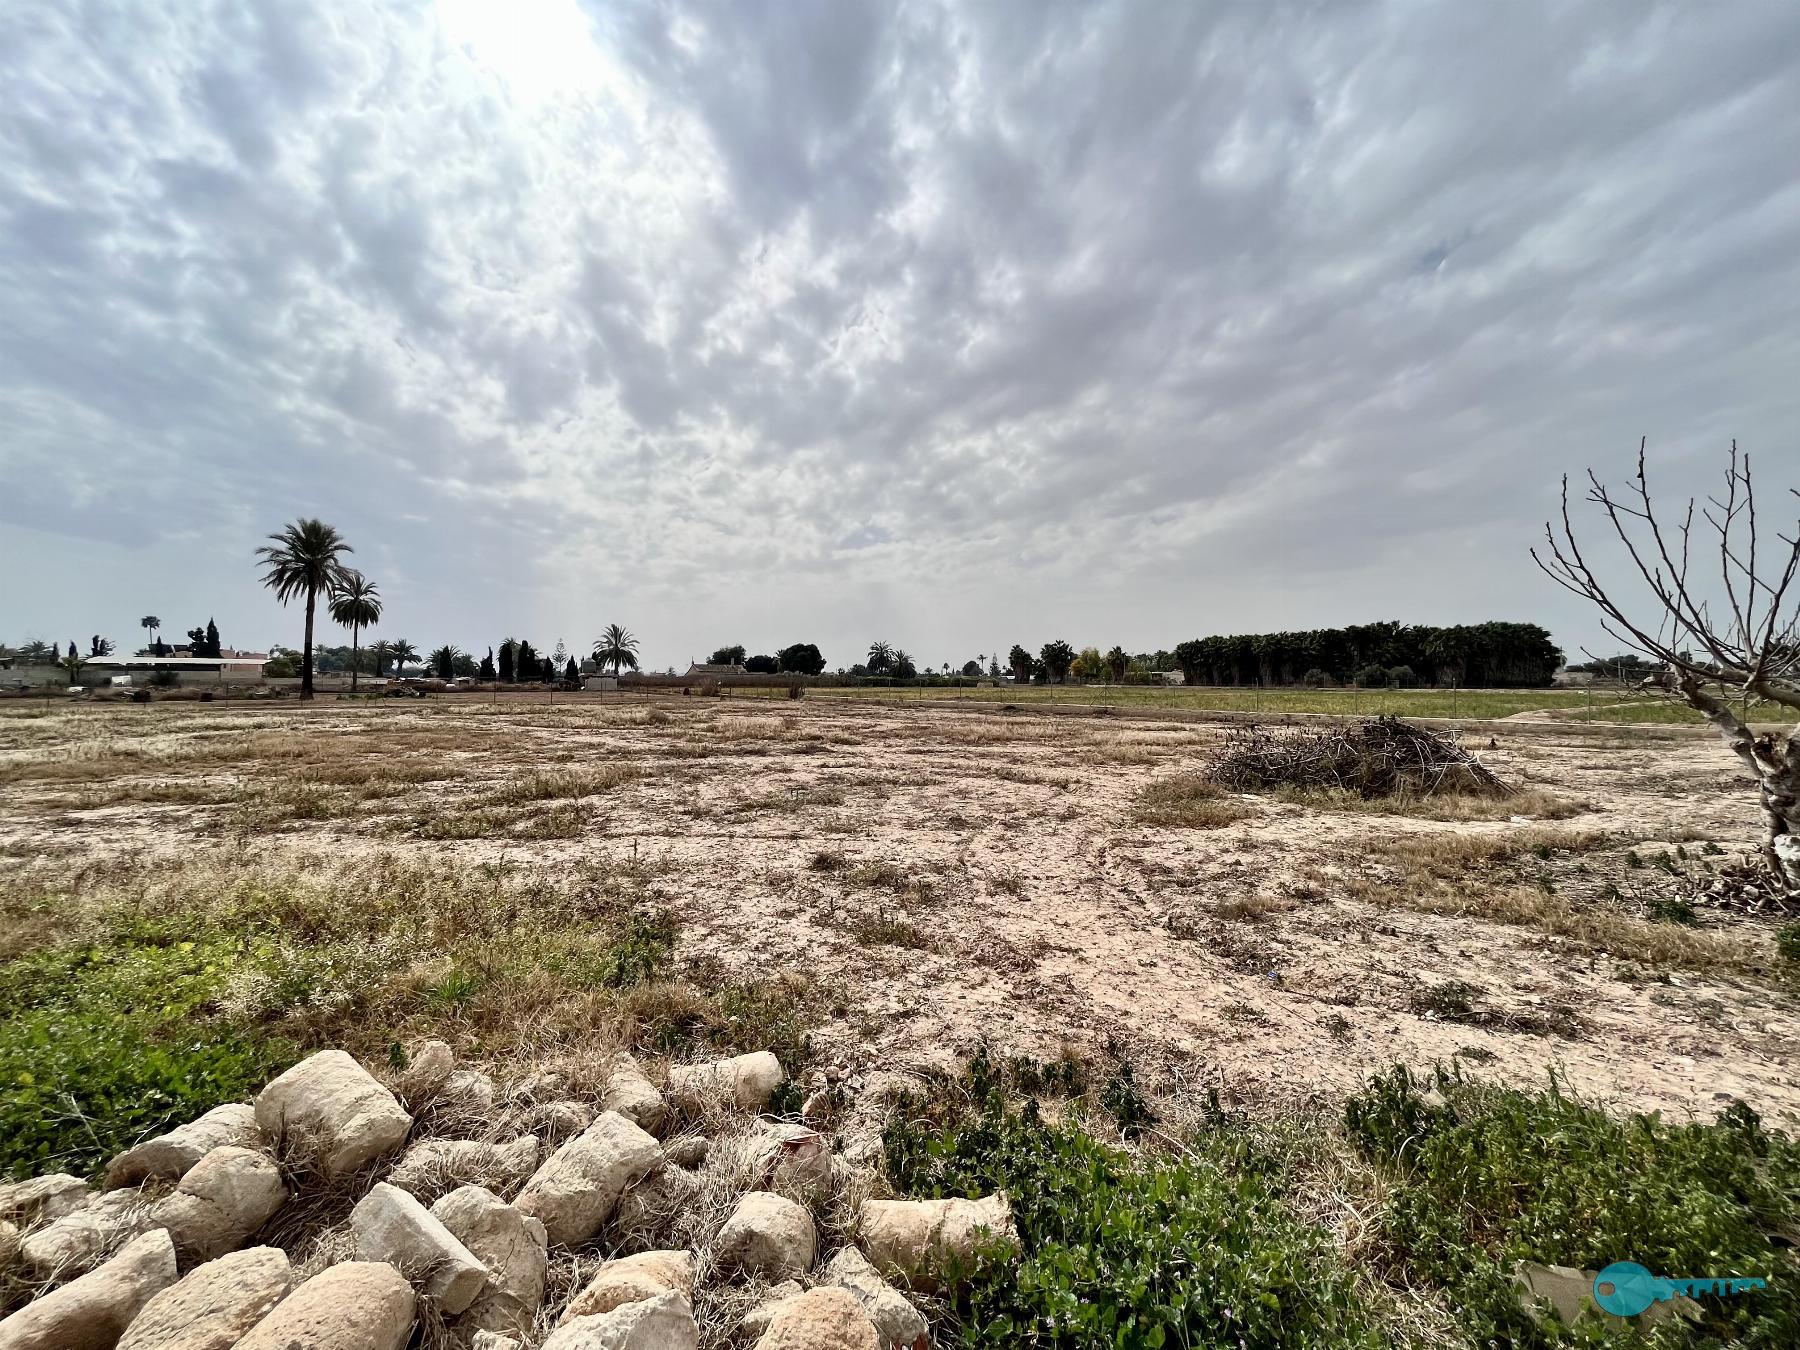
(962, 325)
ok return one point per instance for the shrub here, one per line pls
(101, 1047)
(1787, 942)
(1122, 1251)
(164, 679)
(1315, 679)
(1484, 1177)
(1402, 677)
(1372, 676)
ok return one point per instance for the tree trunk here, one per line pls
(355, 659)
(306, 655)
(1775, 760)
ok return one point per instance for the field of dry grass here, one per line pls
(875, 884)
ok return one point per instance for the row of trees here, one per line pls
(1489, 655)
(802, 658)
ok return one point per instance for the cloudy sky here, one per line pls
(953, 325)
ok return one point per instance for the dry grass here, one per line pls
(1189, 801)
(1448, 806)
(561, 783)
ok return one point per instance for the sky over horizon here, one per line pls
(955, 326)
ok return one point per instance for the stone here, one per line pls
(80, 1240)
(932, 1242)
(688, 1151)
(358, 1305)
(9, 1246)
(214, 1304)
(555, 1121)
(44, 1199)
(757, 1320)
(92, 1312)
(632, 1095)
(767, 1235)
(391, 1226)
(744, 1081)
(427, 1070)
(576, 1190)
(511, 1245)
(631, 1278)
(492, 1340)
(899, 1325)
(649, 1206)
(222, 1202)
(333, 1104)
(467, 1092)
(543, 1086)
(434, 1167)
(169, 1156)
(790, 1157)
(825, 1318)
(665, 1322)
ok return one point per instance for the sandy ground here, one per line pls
(954, 876)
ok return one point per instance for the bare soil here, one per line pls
(955, 876)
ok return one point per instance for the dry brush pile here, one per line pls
(1381, 757)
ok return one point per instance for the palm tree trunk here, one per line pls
(355, 662)
(306, 655)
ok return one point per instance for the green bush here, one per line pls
(1125, 1251)
(1372, 677)
(102, 1047)
(1485, 1177)
(1787, 942)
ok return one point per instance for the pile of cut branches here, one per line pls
(1382, 757)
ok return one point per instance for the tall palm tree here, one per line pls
(150, 623)
(379, 651)
(443, 660)
(881, 656)
(615, 647)
(1116, 662)
(402, 651)
(356, 605)
(305, 558)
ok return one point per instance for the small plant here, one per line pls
(1787, 942)
(1632, 860)
(1674, 910)
(1125, 1102)
(1337, 1026)
(1451, 1001)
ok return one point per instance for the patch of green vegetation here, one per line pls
(1787, 942)
(1674, 910)
(1119, 1250)
(1483, 1177)
(103, 1046)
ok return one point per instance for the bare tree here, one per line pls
(1736, 633)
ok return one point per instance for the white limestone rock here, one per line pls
(575, 1191)
(391, 1226)
(44, 1199)
(825, 1318)
(82, 1239)
(358, 1305)
(899, 1325)
(214, 1304)
(665, 1322)
(91, 1313)
(632, 1095)
(221, 1203)
(434, 1167)
(744, 1081)
(769, 1236)
(932, 1241)
(631, 1279)
(169, 1156)
(334, 1105)
(513, 1247)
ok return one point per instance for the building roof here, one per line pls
(703, 668)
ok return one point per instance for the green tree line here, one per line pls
(1483, 655)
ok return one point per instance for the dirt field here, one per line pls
(934, 878)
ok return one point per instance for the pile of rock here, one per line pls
(160, 1258)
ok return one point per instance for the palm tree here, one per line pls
(615, 647)
(305, 558)
(150, 623)
(881, 656)
(900, 665)
(37, 652)
(1116, 662)
(380, 652)
(355, 604)
(402, 651)
(443, 660)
